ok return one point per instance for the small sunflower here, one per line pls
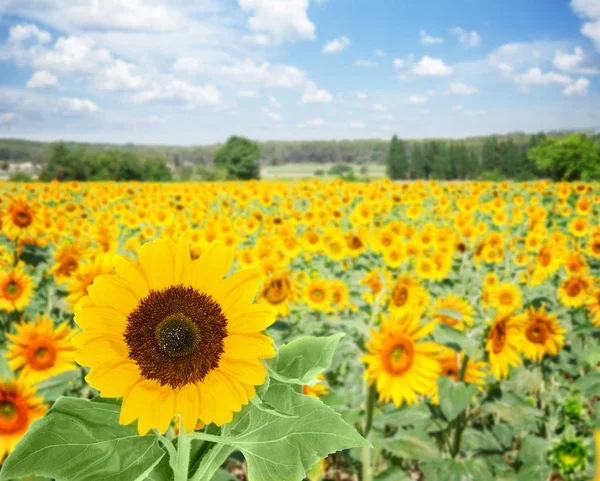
(83, 277)
(16, 289)
(277, 292)
(573, 292)
(593, 306)
(40, 350)
(542, 333)
(399, 363)
(457, 304)
(451, 363)
(504, 340)
(171, 336)
(318, 295)
(19, 218)
(407, 295)
(19, 407)
(506, 298)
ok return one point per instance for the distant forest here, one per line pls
(474, 157)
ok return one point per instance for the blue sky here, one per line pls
(195, 72)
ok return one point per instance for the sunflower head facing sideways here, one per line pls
(172, 337)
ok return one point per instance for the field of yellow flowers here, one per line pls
(470, 315)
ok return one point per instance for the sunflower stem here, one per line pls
(367, 471)
(182, 460)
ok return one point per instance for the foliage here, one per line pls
(20, 177)
(397, 161)
(240, 157)
(210, 174)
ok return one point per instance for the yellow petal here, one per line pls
(207, 272)
(187, 406)
(132, 275)
(111, 291)
(182, 259)
(114, 378)
(101, 350)
(139, 403)
(255, 318)
(239, 298)
(164, 409)
(101, 318)
(157, 264)
(248, 371)
(248, 346)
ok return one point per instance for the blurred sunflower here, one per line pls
(171, 336)
(506, 298)
(277, 291)
(593, 305)
(401, 365)
(83, 277)
(504, 340)
(16, 289)
(407, 295)
(317, 389)
(19, 218)
(317, 294)
(19, 407)
(451, 363)
(542, 333)
(573, 292)
(40, 350)
(453, 310)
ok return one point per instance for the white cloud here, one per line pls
(459, 88)
(401, 63)
(256, 40)
(457, 108)
(283, 20)
(505, 68)
(428, 39)
(534, 76)
(76, 105)
(578, 88)
(249, 72)
(311, 123)
(589, 10)
(364, 63)
(187, 65)
(417, 99)
(312, 94)
(249, 93)
(119, 76)
(272, 115)
(336, 45)
(362, 95)
(432, 67)
(21, 33)
(357, 124)
(379, 53)
(42, 79)
(470, 39)
(7, 118)
(572, 63)
(274, 103)
(171, 89)
(379, 108)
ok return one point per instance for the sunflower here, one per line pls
(277, 291)
(41, 350)
(16, 289)
(407, 295)
(506, 298)
(317, 389)
(504, 340)
(81, 279)
(19, 218)
(318, 295)
(67, 260)
(399, 363)
(573, 292)
(593, 305)
(458, 305)
(451, 363)
(171, 336)
(19, 407)
(340, 295)
(542, 334)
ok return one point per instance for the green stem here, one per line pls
(182, 459)
(367, 469)
(461, 421)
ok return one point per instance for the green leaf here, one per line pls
(534, 451)
(513, 409)
(454, 396)
(5, 370)
(283, 448)
(80, 440)
(476, 440)
(505, 433)
(414, 415)
(452, 470)
(589, 385)
(306, 357)
(393, 474)
(51, 389)
(413, 444)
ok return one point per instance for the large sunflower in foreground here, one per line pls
(171, 336)
(40, 350)
(401, 365)
(504, 341)
(19, 407)
(542, 333)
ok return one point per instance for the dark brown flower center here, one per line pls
(176, 335)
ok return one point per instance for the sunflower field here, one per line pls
(281, 331)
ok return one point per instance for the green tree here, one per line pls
(240, 157)
(490, 155)
(155, 169)
(573, 157)
(397, 160)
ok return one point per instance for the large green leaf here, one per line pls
(454, 396)
(51, 389)
(414, 415)
(476, 440)
(452, 470)
(589, 385)
(304, 358)
(514, 409)
(413, 444)
(80, 440)
(283, 448)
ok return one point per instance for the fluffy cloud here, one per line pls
(428, 39)
(21, 33)
(249, 72)
(459, 88)
(42, 80)
(171, 89)
(470, 39)
(578, 88)
(417, 99)
(364, 63)
(457, 108)
(256, 40)
(589, 10)
(249, 93)
(311, 123)
(432, 67)
(379, 53)
(272, 115)
(379, 108)
(401, 63)
(312, 94)
(274, 103)
(75, 105)
(284, 21)
(534, 76)
(572, 63)
(357, 124)
(336, 45)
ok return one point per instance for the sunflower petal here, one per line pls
(131, 274)
(157, 264)
(110, 291)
